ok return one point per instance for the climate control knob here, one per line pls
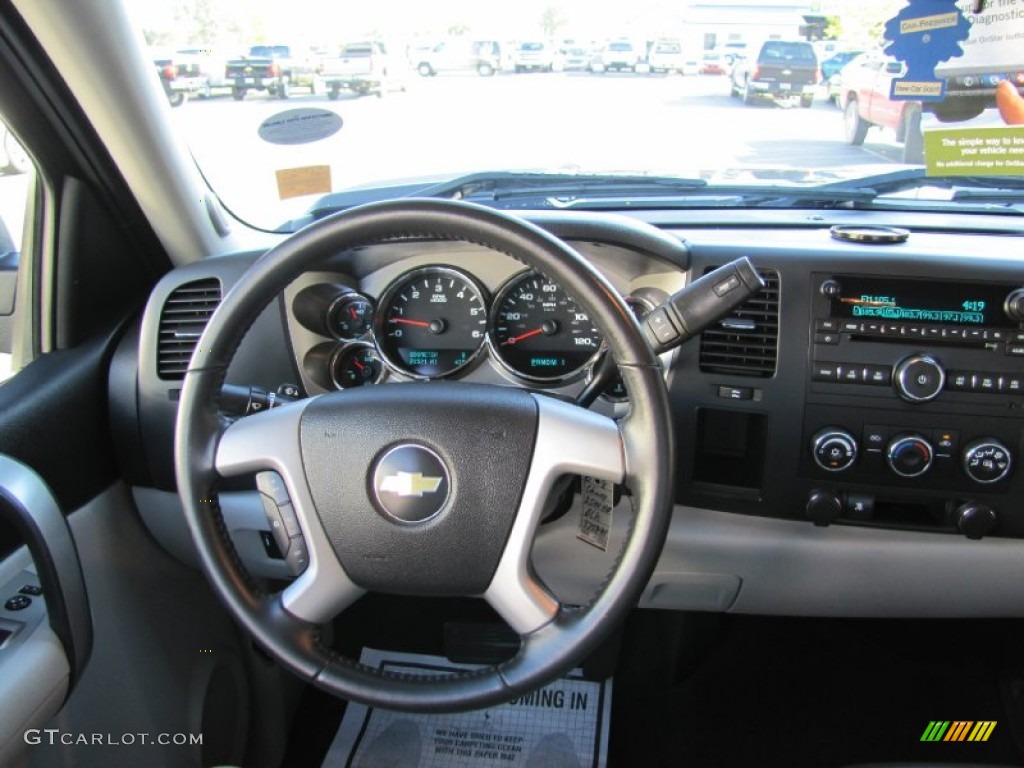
(986, 460)
(919, 378)
(834, 449)
(909, 455)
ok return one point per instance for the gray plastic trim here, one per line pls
(270, 440)
(570, 440)
(744, 564)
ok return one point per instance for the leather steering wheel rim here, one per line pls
(203, 436)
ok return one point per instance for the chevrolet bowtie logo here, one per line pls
(410, 484)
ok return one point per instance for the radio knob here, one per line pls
(975, 520)
(919, 378)
(1014, 305)
(831, 288)
(834, 449)
(909, 455)
(986, 460)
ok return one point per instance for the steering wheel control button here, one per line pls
(919, 378)
(297, 557)
(833, 449)
(277, 529)
(18, 603)
(31, 589)
(411, 484)
(986, 461)
(659, 324)
(270, 484)
(909, 455)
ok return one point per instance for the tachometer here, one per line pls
(539, 333)
(432, 322)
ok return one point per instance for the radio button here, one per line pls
(995, 334)
(974, 334)
(877, 374)
(1015, 350)
(873, 328)
(932, 332)
(826, 337)
(826, 325)
(952, 333)
(919, 378)
(959, 380)
(1017, 337)
(851, 326)
(1011, 384)
(853, 374)
(915, 330)
(825, 372)
(985, 382)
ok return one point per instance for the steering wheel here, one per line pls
(423, 488)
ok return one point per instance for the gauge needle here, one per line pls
(358, 365)
(352, 311)
(520, 337)
(420, 323)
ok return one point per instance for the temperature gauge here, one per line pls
(350, 316)
(354, 366)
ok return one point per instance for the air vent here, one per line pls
(745, 343)
(184, 316)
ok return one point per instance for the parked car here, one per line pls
(361, 68)
(575, 57)
(835, 62)
(618, 56)
(180, 76)
(781, 70)
(209, 64)
(712, 63)
(667, 56)
(276, 69)
(534, 56)
(457, 56)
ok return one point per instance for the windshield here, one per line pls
(293, 110)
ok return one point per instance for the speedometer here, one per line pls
(432, 322)
(539, 333)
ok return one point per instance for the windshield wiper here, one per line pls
(505, 185)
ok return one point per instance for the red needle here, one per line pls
(352, 311)
(420, 323)
(520, 337)
(358, 365)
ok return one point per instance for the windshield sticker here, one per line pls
(300, 126)
(309, 180)
(923, 34)
(995, 46)
(975, 152)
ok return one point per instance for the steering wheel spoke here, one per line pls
(570, 440)
(269, 442)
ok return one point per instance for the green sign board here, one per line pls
(995, 151)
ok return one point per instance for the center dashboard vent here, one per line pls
(745, 343)
(182, 321)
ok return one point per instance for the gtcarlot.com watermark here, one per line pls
(55, 736)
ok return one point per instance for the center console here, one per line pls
(914, 390)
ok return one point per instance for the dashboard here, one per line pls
(850, 440)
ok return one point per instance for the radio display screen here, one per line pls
(918, 301)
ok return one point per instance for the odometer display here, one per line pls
(432, 322)
(540, 333)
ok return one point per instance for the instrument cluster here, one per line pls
(438, 321)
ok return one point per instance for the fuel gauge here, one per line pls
(355, 365)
